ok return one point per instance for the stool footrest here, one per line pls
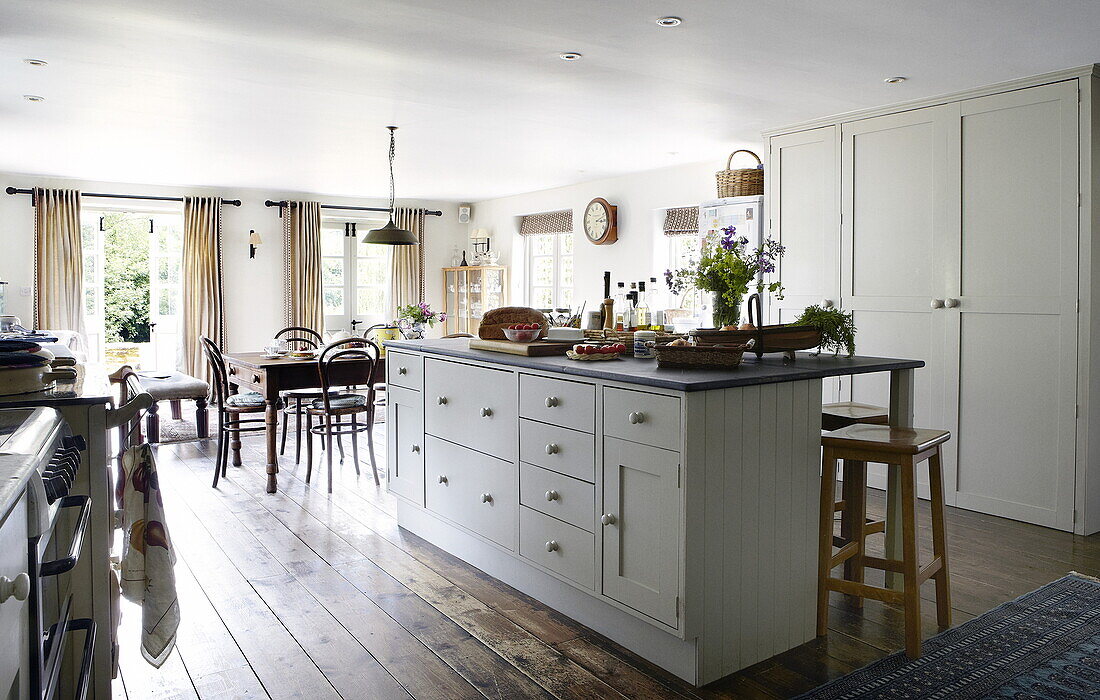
(839, 506)
(894, 565)
(872, 527)
(863, 590)
(846, 552)
(930, 570)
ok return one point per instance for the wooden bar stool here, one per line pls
(835, 416)
(906, 448)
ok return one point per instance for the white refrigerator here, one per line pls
(746, 214)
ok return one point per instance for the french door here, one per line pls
(355, 276)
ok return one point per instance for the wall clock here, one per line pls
(599, 222)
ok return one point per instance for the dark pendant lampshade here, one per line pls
(391, 234)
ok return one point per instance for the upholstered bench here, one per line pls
(174, 387)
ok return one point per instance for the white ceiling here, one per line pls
(294, 94)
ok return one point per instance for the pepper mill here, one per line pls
(608, 307)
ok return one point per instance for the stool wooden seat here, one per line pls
(835, 416)
(906, 448)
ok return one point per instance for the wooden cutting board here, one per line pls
(539, 348)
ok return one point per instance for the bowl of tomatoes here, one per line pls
(596, 351)
(522, 332)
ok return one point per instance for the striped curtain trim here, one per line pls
(547, 222)
(681, 221)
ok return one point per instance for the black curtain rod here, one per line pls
(271, 203)
(16, 190)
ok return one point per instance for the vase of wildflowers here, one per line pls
(412, 318)
(726, 268)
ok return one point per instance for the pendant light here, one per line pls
(391, 234)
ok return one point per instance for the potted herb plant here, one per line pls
(838, 331)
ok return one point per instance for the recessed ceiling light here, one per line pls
(35, 62)
(34, 98)
(894, 80)
(569, 56)
(669, 21)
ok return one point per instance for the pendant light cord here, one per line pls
(393, 151)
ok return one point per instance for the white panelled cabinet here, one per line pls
(959, 230)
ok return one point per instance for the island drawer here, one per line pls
(560, 547)
(558, 402)
(563, 497)
(472, 489)
(472, 406)
(562, 450)
(404, 369)
(638, 416)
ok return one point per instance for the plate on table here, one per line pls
(301, 355)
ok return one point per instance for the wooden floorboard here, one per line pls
(305, 594)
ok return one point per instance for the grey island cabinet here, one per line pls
(674, 511)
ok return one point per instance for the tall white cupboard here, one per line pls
(959, 230)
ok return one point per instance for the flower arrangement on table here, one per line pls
(727, 267)
(411, 318)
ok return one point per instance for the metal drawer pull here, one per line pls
(937, 303)
(636, 417)
(18, 587)
(551, 546)
(951, 303)
(552, 495)
(402, 370)
(552, 449)
(486, 412)
(486, 498)
(607, 519)
(442, 479)
(442, 400)
(551, 401)
(416, 448)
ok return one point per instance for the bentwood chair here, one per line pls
(338, 412)
(231, 408)
(298, 338)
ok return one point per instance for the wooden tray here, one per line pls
(539, 348)
(785, 339)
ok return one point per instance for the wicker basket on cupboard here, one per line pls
(700, 356)
(741, 182)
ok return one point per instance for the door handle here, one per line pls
(486, 498)
(552, 495)
(951, 303)
(607, 519)
(937, 303)
(442, 400)
(551, 401)
(416, 448)
(827, 303)
(18, 587)
(402, 370)
(443, 479)
(551, 546)
(486, 412)
(551, 449)
(636, 417)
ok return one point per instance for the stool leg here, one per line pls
(939, 541)
(853, 519)
(825, 538)
(177, 410)
(202, 419)
(910, 562)
(152, 423)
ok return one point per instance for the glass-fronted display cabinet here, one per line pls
(469, 292)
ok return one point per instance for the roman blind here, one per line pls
(681, 221)
(547, 222)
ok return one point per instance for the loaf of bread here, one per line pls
(494, 321)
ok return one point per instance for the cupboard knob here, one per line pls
(636, 417)
(551, 546)
(607, 519)
(937, 303)
(18, 588)
(551, 401)
(442, 400)
(951, 303)
(486, 498)
(442, 479)
(486, 412)
(416, 448)
(552, 495)
(402, 370)
(551, 449)
(827, 303)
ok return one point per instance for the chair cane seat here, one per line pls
(341, 402)
(249, 399)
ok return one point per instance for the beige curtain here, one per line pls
(202, 282)
(58, 261)
(302, 257)
(407, 280)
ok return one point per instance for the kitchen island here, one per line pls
(674, 511)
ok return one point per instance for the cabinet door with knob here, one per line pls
(15, 585)
(470, 405)
(640, 525)
(405, 443)
(472, 489)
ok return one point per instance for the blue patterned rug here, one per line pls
(1043, 645)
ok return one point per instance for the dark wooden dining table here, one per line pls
(253, 371)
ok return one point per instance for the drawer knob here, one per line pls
(255, 378)
(551, 401)
(937, 303)
(551, 546)
(443, 479)
(442, 400)
(552, 449)
(18, 588)
(402, 370)
(486, 412)
(552, 495)
(416, 448)
(486, 498)
(636, 417)
(607, 519)
(951, 303)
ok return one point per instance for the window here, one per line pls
(355, 276)
(549, 270)
(685, 309)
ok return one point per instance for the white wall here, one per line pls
(253, 288)
(641, 251)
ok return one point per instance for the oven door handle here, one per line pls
(60, 566)
(88, 625)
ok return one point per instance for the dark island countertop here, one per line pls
(769, 370)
